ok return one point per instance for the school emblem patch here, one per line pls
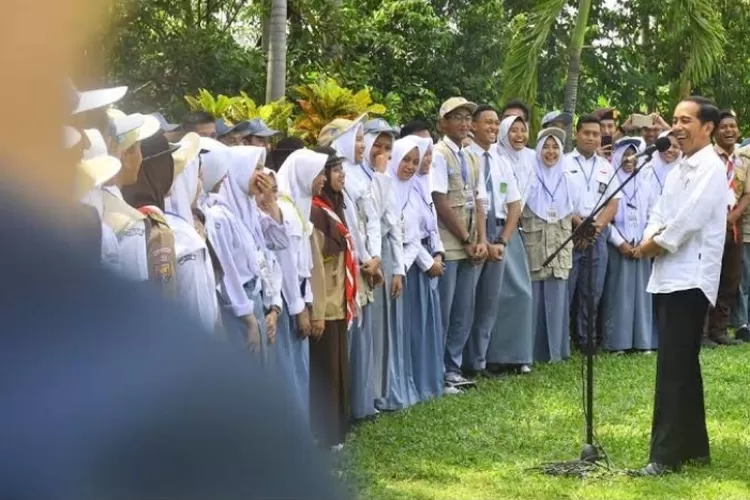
(503, 187)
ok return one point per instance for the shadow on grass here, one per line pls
(480, 445)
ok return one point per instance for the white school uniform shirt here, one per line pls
(228, 237)
(299, 241)
(693, 212)
(277, 239)
(501, 185)
(597, 177)
(439, 170)
(196, 283)
(358, 188)
(634, 209)
(131, 244)
(391, 217)
(521, 164)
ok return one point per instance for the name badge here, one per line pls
(469, 198)
(552, 214)
(602, 188)
(632, 217)
(403, 228)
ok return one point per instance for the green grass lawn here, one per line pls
(479, 445)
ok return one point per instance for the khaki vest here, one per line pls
(365, 294)
(543, 238)
(453, 248)
(117, 214)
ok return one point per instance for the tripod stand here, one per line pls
(585, 233)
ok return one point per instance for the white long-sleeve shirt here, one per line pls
(130, 228)
(196, 283)
(692, 212)
(299, 242)
(391, 219)
(366, 233)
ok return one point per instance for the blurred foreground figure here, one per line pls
(106, 392)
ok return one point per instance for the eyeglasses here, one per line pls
(459, 118)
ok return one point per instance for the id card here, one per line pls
(403, 228)
(469, 198)
(552, 214)
(602, 188)
(632, 218)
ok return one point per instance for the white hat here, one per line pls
(337, 128)
(209, 144)
(554, 116)
(455, 103)
(99, 98)
(96, 167)
(129, 129)
(190, 146)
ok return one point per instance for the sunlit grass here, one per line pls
(480, 445)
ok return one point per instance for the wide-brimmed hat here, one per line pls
(558, 133)
(258, 128)
(164, 124)
(555, 116)
(87, 100)
(129, 129)
(96, 167)
(189, 147)
(337, 128)
(455, 103)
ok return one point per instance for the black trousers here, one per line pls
(678, 433)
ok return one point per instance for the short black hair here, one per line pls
(727, 113)
(281, 152)
(517, 104)
(707, 110)
(414, 127)
(587, 118)
(195, 118)
(481, 109)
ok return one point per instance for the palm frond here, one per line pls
(530, 31)
(697, 24)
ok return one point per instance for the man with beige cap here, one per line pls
(459, 192)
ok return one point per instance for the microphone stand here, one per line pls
(591, 454)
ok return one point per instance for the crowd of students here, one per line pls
(379, 268)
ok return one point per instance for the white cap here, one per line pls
(130, 129)
(94, 99)
(97, 166)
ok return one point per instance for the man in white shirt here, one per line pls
(503, 208)
(598, 178)
(686, 236)
(458, 192)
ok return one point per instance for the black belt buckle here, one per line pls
(425, 242)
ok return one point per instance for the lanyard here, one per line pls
(591, 173)
(461, 159)
(546, 189)
(661, 183)
(365, 170)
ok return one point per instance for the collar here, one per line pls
(577, 154)
(724, 154)
(479, 150)
(452, 145)
(699, 157)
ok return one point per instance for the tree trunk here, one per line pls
(276, 74)
(574, 69)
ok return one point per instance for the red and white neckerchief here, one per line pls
(729, 162)
(350, 285)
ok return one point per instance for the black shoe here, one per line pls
(707, 343)
(742, 334)
(472, 374)
(656, 469)
(724, 339)
(698, 462)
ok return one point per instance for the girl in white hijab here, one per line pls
(234, 244)
(301, 174)
(514, 353)
(363, 221)
(196, 282)
(394, 364)
(554, 198)
(627, 308)
(245, 180)
(423, 259)
(662, 163)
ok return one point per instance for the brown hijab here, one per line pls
(335, 240)
(155, 176)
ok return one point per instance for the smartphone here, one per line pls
(606, 140)
(641, 121)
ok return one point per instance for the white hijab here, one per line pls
(660, 167)
(549, 179)
(401, 148)
(215, 165)
(243, 161)
(422, 183)
(296, 176)
(184, 191)
(522, 163)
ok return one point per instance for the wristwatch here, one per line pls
(466, 241)
(275, 309)
(501, 241)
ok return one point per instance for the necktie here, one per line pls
(464, 167)
(491, 214)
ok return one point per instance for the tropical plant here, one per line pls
(220, 106)
(276, 114)
(322, 102)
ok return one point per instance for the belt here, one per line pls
(499, 222)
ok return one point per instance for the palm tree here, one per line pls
(695, 23)
(276, 75)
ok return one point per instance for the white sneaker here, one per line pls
(525, 369)
(449, 390)
(455, 378)
(647, 353)
(337, 448)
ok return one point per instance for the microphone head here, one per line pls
(662, 144)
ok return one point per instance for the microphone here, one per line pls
(662, 144)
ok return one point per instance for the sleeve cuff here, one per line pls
(664, 243)
(296, 307)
